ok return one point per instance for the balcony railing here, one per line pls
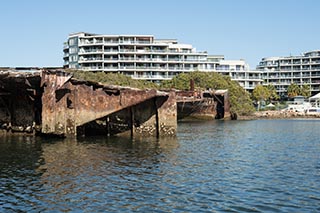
(110, 67)
(89, 59)
(84, 42)
(90, 50)
(110, 50)
(111, 42)
(92, 68)
(127, 67)
(146, 76)
(126, 50)
(127, 59)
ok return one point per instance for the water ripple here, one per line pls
(250, 166)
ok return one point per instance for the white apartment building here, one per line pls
(144, 57)
(239, 71)
(282, 71)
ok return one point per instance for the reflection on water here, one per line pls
(235, 166)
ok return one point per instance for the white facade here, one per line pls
(144, 57)
(282, 71)
(239, 71)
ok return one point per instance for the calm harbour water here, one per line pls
(213, 166)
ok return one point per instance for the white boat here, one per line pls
(313, 111)
(315, 105)
(298, 105)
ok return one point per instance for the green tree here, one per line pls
(273, 95)
(305, 90)
(293, 90)
(261, 93)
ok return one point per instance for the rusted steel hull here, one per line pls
(72, 107)
(53, 103)
(20, 102)
(203, 104)
(202, 109)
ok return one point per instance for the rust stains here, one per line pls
(68, 104)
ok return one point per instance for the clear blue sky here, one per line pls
(33, 31)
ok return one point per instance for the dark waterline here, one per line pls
(214, 166)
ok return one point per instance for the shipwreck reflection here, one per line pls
(70, 163)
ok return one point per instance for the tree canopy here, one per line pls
(265, 93)
(295, 90)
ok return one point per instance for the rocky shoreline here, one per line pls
(278, 115)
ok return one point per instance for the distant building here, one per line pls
(144, 57)
(282, 71)
(239, 71)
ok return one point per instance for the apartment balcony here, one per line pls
(270, 65)
(239, 77)
(90, 60)
(190, 69)
(315, 75)
(111, 51)
(110, 68)
(194, 60)
(175, 60)
(142, 67)
(65, 46)
(127, 50)
(113, 60)
(153, 77)
(127, 67)
(142, 51)
(110, 41)
(87, 42)
(127, 59)
(158, 51)
(315, 62)
(315, 68)
(159, 60)
(176, 69)
(279, 76)
(92, 68)
(127, 42)
(142, 41)
(90, 51)
(158, 68)
(143, 59)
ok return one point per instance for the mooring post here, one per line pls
(131, 121)
(157, 117)
(108, 126)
